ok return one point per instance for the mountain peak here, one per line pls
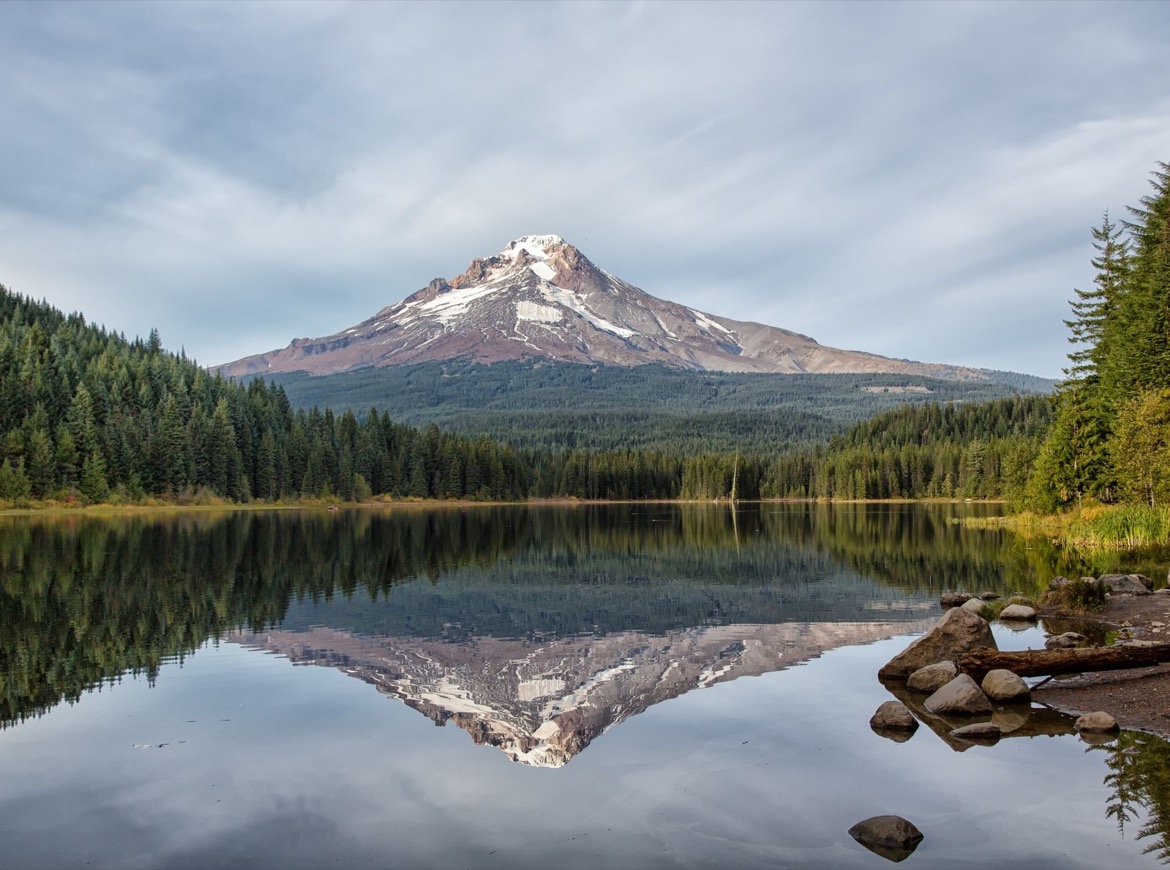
(542, 297)
(536, 246)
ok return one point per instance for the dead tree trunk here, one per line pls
(1049, 662)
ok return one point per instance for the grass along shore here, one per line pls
(1096, 528)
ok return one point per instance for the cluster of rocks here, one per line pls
(929, 667)
(998, 704)
(1017, 610)
(1113, 584)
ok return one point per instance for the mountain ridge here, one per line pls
(541, 297)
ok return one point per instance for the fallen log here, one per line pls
(1051, 662)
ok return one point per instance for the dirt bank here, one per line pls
(1138, 698)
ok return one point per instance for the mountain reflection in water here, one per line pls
(541, 702)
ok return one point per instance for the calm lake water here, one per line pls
(621, 686)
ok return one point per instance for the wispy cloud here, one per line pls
(910, 179)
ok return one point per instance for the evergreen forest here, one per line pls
(1110, 438)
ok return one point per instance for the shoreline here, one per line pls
(1139, 699)
(105, 508)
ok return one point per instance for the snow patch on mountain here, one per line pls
(526, 310)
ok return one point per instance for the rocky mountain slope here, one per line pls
(541, 297)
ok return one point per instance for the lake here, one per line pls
(622, 686)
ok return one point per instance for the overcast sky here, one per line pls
(916, 180)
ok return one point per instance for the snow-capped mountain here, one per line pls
(541, 297)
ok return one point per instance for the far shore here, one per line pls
(161, 506)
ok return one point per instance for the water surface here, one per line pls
(627, 686)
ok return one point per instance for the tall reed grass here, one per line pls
(1121, 527)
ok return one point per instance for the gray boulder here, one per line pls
(1127, 584)
(893, 716)
(1004, 686)
(887, 834)
(1021, 612)
(959, 631)
(1068, 640)
(1058, 582)
(932, 677)
(975, 605)
(960, 697)
(988, 596)
(1097, 722)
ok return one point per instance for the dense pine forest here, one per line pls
(561, 405)
(87, 416)
(1110, 440)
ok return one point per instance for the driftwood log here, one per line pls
(1050, 662)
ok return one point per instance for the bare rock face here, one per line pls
(1098, 722)
(960, 697)
(1003, 685)
(892, 837)
(959, 631)
(932, 677)
(975, 605)
(893, 716)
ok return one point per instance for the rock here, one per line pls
(954, 599)
(1098, 722)
(959, 631)
(892, 837)
(1165, 590)
(1126, 584)
(893, 716)
(988, 596)
(932, 677)
(961, 696)
(1057, 582)
(1068, 640)
(1005, 686)
(1018, 611)
(978, 731)
(975, 605)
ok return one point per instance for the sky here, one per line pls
(917, 180)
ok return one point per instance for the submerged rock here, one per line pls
(979, 731)
(892, 837)
(1004, 685)
(932, 677)
(1068, 640)
(961, 696)
(959, 631)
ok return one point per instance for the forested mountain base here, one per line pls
(87, 416)
(557, 405)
